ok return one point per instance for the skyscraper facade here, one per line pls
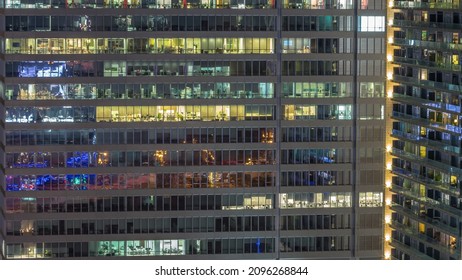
(424, 133)
(193, 129)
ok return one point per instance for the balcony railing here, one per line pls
(424, 219)
(426, 200)
(446, 188)
(424, 24)
(425, 83)
(450, 249)
(444, 167)
(428, 44)
(427, 123)
(409, 250)
(441, 146)
(451, 189)
(423, 5)
(422, 63)
(416, 100)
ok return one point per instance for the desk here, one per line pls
(55, 50)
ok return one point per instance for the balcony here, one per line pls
(427, 44)
(445, 188)
(422, 63)
(431, 203)
(422, 5)
(444, 167)
(424, 219)
(425, 83)
(423, 24)
(427, 123)
(420, 140)
(434, 242)
(409, 250)
(417, 101)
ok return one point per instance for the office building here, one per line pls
(423, 183)
(193, 129)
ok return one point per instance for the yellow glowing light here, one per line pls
(267, 137)
(389, 76)
(387, 255)
(387, 238)
(388, 184)
(390, 40)
(389, 166)
(387, 219)
(388, 202)
(390, 3)
(389, 58)
(159, 156)
(388, 148)
(390, 22)
(390, 94)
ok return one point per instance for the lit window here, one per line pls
(370, 199)
(371, 24)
